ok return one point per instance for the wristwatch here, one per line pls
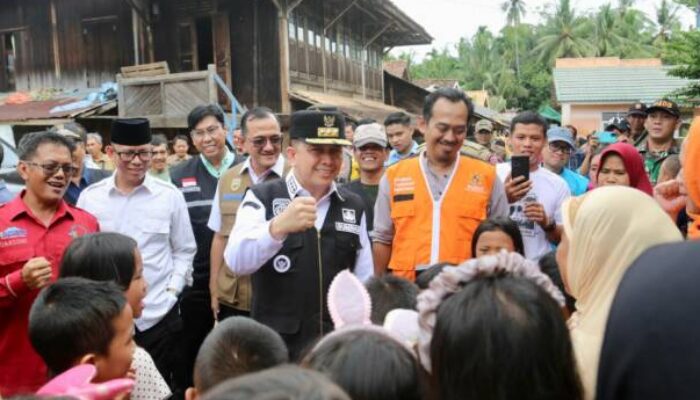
(552, 225)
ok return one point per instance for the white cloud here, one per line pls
(449, 20)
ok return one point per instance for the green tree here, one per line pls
(515, 10)
(606, 37)
(564, 35)
(667, 21)
(682, 51)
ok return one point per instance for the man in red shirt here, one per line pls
(35, 228)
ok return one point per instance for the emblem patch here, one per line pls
(292, 186)
(282, 264)
(236, 184)
(349, 215)
(349, 228)
(13, 233)
(77, 231)
(279, 205)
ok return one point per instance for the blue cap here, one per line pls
(559, 134)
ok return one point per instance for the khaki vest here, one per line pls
(234, 291)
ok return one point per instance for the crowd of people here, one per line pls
(396, 259)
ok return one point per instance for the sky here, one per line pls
(448, 20)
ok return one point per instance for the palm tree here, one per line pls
(564, 35)
(515, 10)
(605, 33)
(667, 21)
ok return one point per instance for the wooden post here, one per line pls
(284, 8)
(135, 35)
(286, 106)
(54, 42)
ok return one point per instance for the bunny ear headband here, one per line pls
(452, 279)
(351, 308)
(76, 383)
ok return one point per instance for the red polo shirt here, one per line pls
(23, 237)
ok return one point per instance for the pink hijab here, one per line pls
(633, 164)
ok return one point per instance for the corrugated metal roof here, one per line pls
(614, 84)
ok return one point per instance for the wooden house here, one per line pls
(283, 54)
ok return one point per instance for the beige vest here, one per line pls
(234, 291)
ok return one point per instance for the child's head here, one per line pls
(496, 234)
(79, 321)
(493, 328)
(669, 168)
(368, 365)
(108, 257)
(286, 382)
(390, 292)
(236, 346)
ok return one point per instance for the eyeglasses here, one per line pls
(211, 131)
(261, 141)
(560, 148)
(50, 169)
(144, 155)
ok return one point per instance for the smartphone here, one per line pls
(520, 166)
(606, 137)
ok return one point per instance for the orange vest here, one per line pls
(424, 235)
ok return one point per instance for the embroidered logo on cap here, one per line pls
(349, 215)
(279, 205)
(282, 263)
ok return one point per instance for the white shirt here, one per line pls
(250, 245)
(214, 222)
(548, 189)
(155, 215)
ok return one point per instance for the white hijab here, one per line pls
(607, 230)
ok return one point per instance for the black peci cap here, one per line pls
(319, 127)
(131, 131)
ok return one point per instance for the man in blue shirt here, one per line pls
(399, 131)
(556, 155)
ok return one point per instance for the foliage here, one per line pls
(682, 51)
(515, 64)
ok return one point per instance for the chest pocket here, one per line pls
(154, 229)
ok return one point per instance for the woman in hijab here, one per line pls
(651, 348)
(621, 164)
(604, 232)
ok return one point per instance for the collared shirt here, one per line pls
(5, 194)
(103, 162)
(89, 176)
(226, 162)
(250, 245)
(163, 175)
(155, 215)
(23, 237)
(214, 222)
(383, 231)
(395, 157)
(653, 160)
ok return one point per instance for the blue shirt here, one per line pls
(577, 182)
(395, 157)
(5, 194)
